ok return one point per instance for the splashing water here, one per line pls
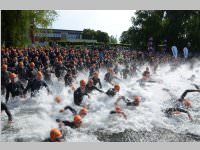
(34, 117)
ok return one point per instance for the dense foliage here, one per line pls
(176, 26)
(19, 26)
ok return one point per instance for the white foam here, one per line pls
(33, 118)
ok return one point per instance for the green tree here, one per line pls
(95, 35)
(102, 36)
(89, 34)
(18, 26)
(125, 37)
(113, 40)
(178, 27)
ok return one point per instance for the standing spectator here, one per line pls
(164, 46)
(186, 51)
(175, 51)
(150, 45)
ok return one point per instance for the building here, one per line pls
(44, 36)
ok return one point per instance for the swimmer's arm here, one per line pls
(87, 95)
(8, 113)
(71, 109)
(48, 90)
(118, 99)
(128, 103)
(124, 115)
(105, 77)
(22, 87)
(152, 81)
(7, 94)
(113, 112)
(68, 123)
(189, 116)
(184, 111)
(181, 110)
(187, 91)
(100, 85)
(98, 89)
(27, 87)
(196, 86)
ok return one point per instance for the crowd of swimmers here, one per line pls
(27, 70)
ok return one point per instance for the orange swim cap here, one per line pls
(39, 73)
(82, 83)
(137, 98)
(83, 111)
(12, 75)
(4, 66)
(21, 64)
(117, 87)
(32, 64)
(77, 119)
(58, 99)
(55, 133)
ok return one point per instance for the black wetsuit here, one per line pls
(128, 102)
(21, 72)
(48, 140)
(116, 69)
(97, 80)
(92, 70)
(47, 74)
(125, 73)
(89, 89)
(4, 80)
(38, 64)
(113, 112)
(169, 111)
(111, 92)
(108, 77)
(78, 96)
(133, 70)
(31, 74)
(68, 79)
(59, 70)
(73, 71)
(13, 66)
(16, 89)
(5, 108)
(80, 66)
(57, 140)
(196, 86)
(35, 85)
(61, 139)
(71, 124)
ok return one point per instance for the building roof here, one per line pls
(61, 30)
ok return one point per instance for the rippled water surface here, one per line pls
(33, 118)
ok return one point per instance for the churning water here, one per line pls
(34, 117)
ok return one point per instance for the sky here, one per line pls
(114, 22)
